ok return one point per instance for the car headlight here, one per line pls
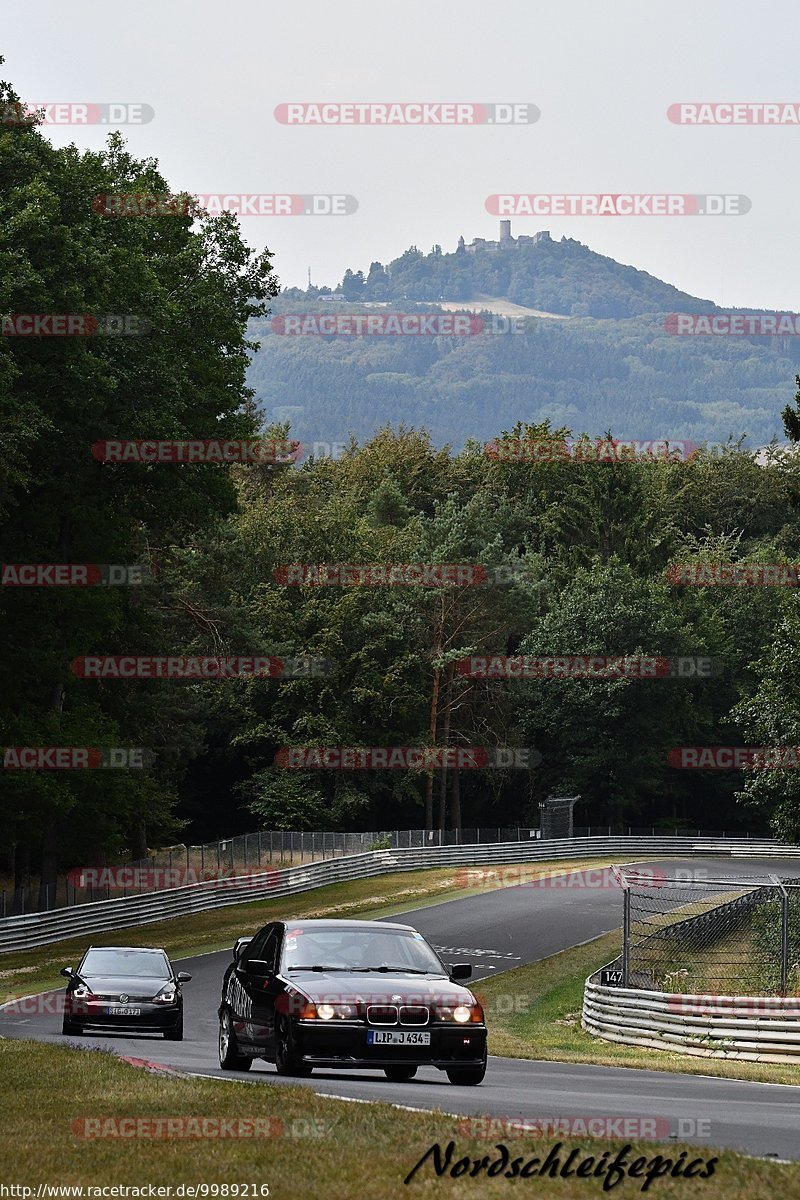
(335, 1012)
(166, 995)
(82, 992)
(461, 1014)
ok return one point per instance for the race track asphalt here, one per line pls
(495, 930)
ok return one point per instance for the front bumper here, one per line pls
(322, 1044)
(152, 1018)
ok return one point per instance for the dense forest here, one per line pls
(575, 556)
(630, 375)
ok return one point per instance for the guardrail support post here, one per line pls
(626, 935)
(784, 941)
(784, 933)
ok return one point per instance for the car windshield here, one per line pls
(125, 962)
(357, 950)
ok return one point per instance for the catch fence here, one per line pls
(713, 936)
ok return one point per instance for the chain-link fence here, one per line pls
(177, 866)
(710, 936)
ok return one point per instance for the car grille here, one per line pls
(116, 998)
(414, 1014)
(390, 1014)
(382, 1014)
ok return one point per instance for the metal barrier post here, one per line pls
(784, 941)
(784, 933)
(626, 934)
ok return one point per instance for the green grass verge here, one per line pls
(534, 1012)
(318, 1148)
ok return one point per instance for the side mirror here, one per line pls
(183, 977)
(239, 946)
(66, 972)
(259, 968)
(460, 971)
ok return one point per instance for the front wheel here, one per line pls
(467, 1076)
(71, 1028)
(287, 1060)
(176, 1034)
(399, 1074)
(229, 1057)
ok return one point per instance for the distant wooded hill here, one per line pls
(611, 365)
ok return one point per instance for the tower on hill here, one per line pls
(506, 241)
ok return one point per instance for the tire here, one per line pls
(71, 1028)
(229, 1057)
(176, 1034)
(399, 1074)
(287, 1060)
(467, 1076)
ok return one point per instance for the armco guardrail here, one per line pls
(752, 1028)
(39, 929)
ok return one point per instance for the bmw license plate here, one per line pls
(123, 1012)
(397, 1037)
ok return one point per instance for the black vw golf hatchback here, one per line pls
(348, 994)
(124, 988)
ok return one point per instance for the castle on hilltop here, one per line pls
(507, 242)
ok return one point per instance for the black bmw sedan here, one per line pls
(128, 988)
(348, 994)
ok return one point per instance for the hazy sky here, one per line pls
(602, 75)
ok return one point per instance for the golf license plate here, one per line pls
(397, 1037)
(123, 1011)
